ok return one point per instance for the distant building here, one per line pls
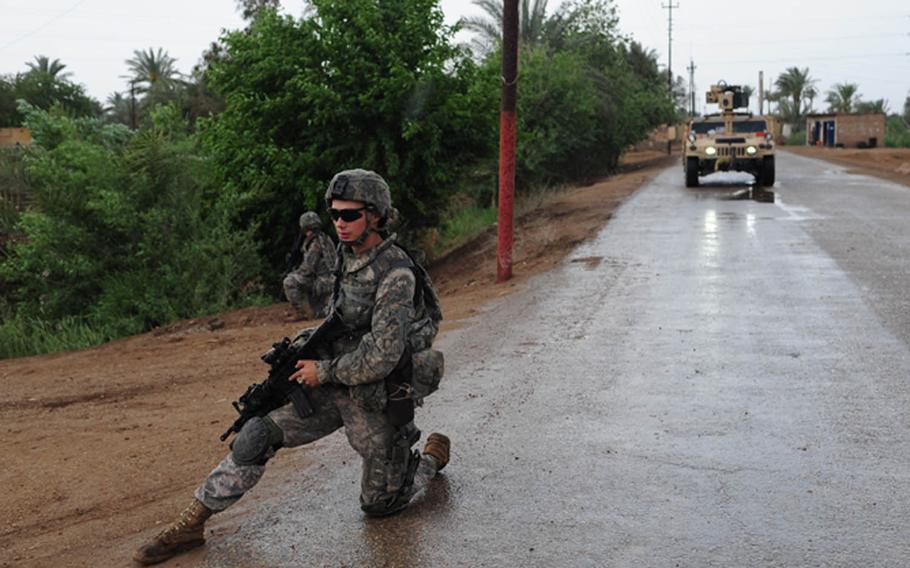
(845, 130)
(15, 137)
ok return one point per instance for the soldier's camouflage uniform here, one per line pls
(376, 297)
(311, 282)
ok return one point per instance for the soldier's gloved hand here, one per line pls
(306, 373)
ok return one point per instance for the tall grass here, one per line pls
(462, 225)
(21, 336)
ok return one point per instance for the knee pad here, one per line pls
(256, 441)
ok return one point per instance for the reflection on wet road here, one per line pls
(711, 382)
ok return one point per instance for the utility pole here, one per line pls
(761, 93)
(691, 69)
(133, 105)
(669, 7)
(507, 130)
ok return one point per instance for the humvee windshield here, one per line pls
(750, 126)
(704, 127)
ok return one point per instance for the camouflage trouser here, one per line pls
(300, 289)
(369, 433)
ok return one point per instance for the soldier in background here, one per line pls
(381, 368)
(308, 286)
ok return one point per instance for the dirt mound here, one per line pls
(103, 445)
(892, 164)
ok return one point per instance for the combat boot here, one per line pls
(184, 534)
(299, 314)
(438, 446)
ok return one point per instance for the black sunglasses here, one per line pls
(347, 215)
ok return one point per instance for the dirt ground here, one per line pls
(103, 446)
(889, 163)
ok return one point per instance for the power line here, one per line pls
(804, 40)
(691, 69)
(776, 22)
(70, 10)
(670, 7)
(797, 59)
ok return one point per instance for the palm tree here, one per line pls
(795, 84)
(644, 62)
(843, 97)
(878, 106)
(533, 26)
(43, 64)
(152, 69)
(118, 109)
(810, 93)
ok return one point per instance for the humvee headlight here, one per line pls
(751, 150)
(710, 150)
(691, 137)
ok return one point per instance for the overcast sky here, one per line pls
(865, 42)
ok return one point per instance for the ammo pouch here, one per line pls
(427, 369)
(415, 377)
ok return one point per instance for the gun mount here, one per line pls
(727, 97)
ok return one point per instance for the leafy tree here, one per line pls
(582, 103)
(200, 99)
(357, 84)
(557, 108)
(125, 232)
(907, 110)
(9, 113)
(843, 97)
(250, 9)
(44, 85)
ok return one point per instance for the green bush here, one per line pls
(897, 133)
(127, 231)
(13, 189)
(797, 139)
(579, 107)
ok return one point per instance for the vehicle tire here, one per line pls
(765, 177)
(691, 172)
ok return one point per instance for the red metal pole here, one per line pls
(507, 129)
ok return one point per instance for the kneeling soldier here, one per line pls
(378, 369)
(308, 286)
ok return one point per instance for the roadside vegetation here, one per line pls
(794, 95)
(179, 196)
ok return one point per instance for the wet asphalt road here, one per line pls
(711, 382)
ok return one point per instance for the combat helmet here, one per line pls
(310, 220)
(364, 186)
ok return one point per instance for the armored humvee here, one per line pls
(729, 140)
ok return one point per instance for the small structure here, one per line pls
(15, 137)
(845, 130)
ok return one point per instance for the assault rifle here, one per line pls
(295, 257)
(276, 390)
